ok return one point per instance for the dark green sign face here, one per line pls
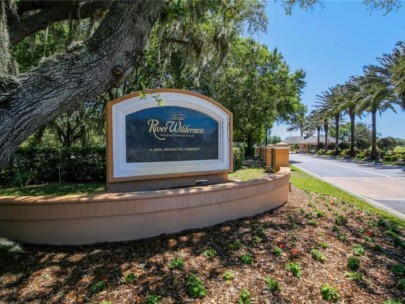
(170, 133)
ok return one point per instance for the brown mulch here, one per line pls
(66, 274)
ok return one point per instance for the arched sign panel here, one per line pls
(188, 134)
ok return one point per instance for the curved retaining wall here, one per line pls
(75, 219)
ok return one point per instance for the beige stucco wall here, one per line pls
(129, 216)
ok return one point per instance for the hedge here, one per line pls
(69, 165)
(43, 165)
(238, 157)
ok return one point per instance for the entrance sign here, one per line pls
(167, 133)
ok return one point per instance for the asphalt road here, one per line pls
(380, 183)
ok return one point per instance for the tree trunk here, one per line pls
(337, 120)
(374, 152)
(318, 130)
(249, 150)
(61, 83)
(326, 128)
(352, 115)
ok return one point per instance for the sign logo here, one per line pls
(175, 126)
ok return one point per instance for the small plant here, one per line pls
(235, 245)
(393, 301)
(323, 245)
(130, 278)
(379, 248)
(320, 213)
(295, 269)
(195, 287)
(257, 239)
(354, 276)
(358, 250)
(353, 263)
(105, 302)
(335, 228)
(176, 263)
(228, 276)
(210, 253)
(277, 250)
(98, 286)
(318, 256)
(153, 299)
(244, 297)
(329, 293)
(398, 269)
(260, 231)
(272, 284)
(246, 259)
(402, 284)
(312, 223)
(311, 204)
(340, 220)
(341, 237)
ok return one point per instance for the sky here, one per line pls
(331, 43)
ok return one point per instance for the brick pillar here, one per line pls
(280, 156)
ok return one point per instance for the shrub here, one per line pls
(358, 249)
(343, 145)
(402, 284)
(246, 259)
(176, 263)
(210, 253)
(46, 165)
(195, 287)
(330, 152)
(228, 276)
(318, 256)
(238, 157)
(98, 286)
(393, 301)
(331, 146)
(329, 293)
(277, 250)
(353, 263)
(354, 276)
(295, 269)
(153, 299)
(272, 284)
(235, 245)
(244, 297)
(130, 278)
(398, 269)
(363, 144)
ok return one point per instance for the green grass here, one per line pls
(54, 189)
(399, 149)
(308, 183)
(247, 174)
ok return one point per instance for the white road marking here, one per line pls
(357, 169)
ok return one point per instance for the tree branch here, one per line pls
(19, 28)
(60, 83)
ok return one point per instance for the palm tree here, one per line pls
(375, 95)
(349, 105)
(329, 104)
(392, 68)
(314, 122)
(298, 119)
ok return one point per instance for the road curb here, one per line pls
(359, 196)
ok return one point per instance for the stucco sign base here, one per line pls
(74, 220)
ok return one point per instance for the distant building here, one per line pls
(308, 144)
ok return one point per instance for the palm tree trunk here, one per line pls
(337, 120)
(318, 130)
(352, 115)
(374, 152)
(326, 128)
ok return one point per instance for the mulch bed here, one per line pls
(92, 274)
